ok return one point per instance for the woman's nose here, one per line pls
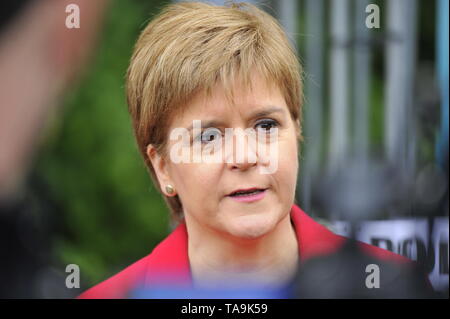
(242, 166)
(242, 154)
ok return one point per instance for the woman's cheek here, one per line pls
(289, 164)
(203, 178)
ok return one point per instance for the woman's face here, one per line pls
(206, 190)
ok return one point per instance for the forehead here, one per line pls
(239, 98)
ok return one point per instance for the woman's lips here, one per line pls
(251, 197)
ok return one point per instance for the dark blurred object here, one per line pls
(15, 255)
(343, 275)
(9, 10)
(27, 228)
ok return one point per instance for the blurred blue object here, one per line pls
(442, 70)
(180, 292)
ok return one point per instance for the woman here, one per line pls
(231, 69)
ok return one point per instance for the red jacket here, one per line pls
(171, 257)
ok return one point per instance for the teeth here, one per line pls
(247, 193)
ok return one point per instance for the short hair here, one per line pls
(191, 46)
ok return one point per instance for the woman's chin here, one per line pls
(251, 226)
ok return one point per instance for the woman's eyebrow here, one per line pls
(258, 113)
(267, 111)
(206, 124)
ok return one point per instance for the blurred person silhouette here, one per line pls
(39, 58)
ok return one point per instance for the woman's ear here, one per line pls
(159, 164)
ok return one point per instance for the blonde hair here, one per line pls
(190, 47)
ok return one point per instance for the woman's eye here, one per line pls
(210, 135)
(266, 125)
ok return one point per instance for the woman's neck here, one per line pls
(268, 260)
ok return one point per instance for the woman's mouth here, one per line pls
(248, 195)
